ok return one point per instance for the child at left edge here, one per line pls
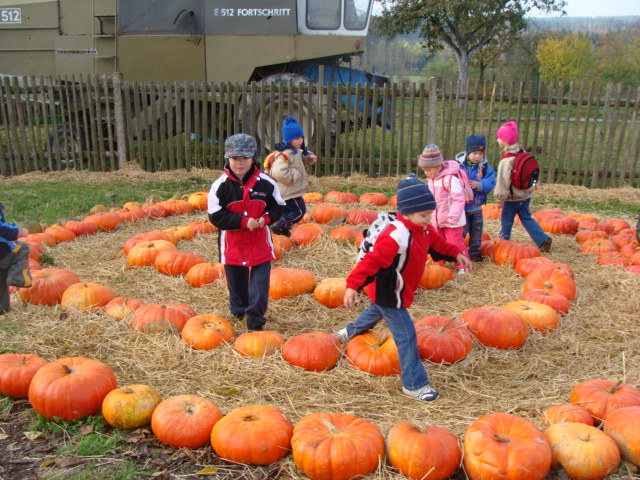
(243, 202)
(391, 272)
(14, 260)
(289, 169)
(448, 217)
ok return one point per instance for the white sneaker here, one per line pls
(425, 393)
(343, 336)
(463, 271)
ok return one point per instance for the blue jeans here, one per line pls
(474, 227)
(293, 212)
(249, 292)
(413, 373)
(521, 208)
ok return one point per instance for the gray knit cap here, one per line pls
(240, 145)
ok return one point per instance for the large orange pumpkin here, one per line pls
(551, 280)
(335, 446)
(524, 266)
(341, 197)
(582, 236)
(583, 451)
(601, 397)
(378, 199)
(258, 343)
(423, 451)
(329, 213)
(199, 200)
(374, 352)
(344, 234)
(615, 259)
(157, 317)
(306, 234)
(61, 234)
(130, 213)
(290, 282)
(255, 434)
(16, 372)
(175, 262)
(560, 224)
(558, 302)
(541, 317)
(48, 286)
(497, 327)
(106, 221)
(185, 420)
(567, 412)
(81, 228)
(359, 216)
(435, 276)
(204, 273)
(596, 246)
(511, 252)
(505, 446)
(148, 236)
(623, 426)
(144, 254)
(442, 339)
(330, 292)
(71, 388)
(203, 227)
(314, 351)
(207, 331)
(175, 206)
(617, 224)
(86, 296)
(122, 307)
(313, 197)
(130, 406)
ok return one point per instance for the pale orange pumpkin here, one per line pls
(258, 344)
(330, 292)
(558, 302)
(374, 352)
(344, 234)
(86, 296)
(157, 317)
(290, 282)
(176, 263)
(601, 397)
(313, 197)
(623, 426)
(567, 412)
(130, 406)
(378, 199)
(199, 200)
(119, 308)
(204, 273)
(207, 331)
(144, 253)
(340, 197)
(551, 280)
(329, 213)
(541, 317)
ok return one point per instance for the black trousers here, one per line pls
(249, 292)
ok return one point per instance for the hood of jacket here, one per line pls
(462, 159)
(449, 167)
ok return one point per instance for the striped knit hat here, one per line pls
(430, 157)
(414, 196)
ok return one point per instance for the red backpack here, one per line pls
(525, 171)
(461, 174)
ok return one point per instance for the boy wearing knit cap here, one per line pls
(448, 190)
(289, 169)
(391, 271)
(514, 200)
(482, 179)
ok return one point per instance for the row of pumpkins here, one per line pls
(335, 446)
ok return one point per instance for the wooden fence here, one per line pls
(582, 134)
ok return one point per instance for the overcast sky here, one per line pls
(602, 8)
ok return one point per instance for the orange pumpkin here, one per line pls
(615, 259)
(582, 451)
(207, 331)
(587, 225)
(144, 254)
(502, 445)
(16, 372)
(584, 217)
(336, 446)
(617, 224)
(567, 413)
(623, 426)
(283, 241)
(340, 197)
(199, 200)
(556, 301)
(185, 420)
(374, 198)
(359, 216)
(485, 236)
(314, 351)
(551, 280)
(148, 236)
(598, 245)
(313, 197)
(202, 227)
(42, 237)
(330, 292)
(290, 282)
(258, 343)
(256, 434)
(420, 451)
(131, 213)
(442, 339)
(496, 327)
(539, 215)
(156, 317)
(488, 246)
(374, 352)
(86, 296)
(81, 228)
(491, 210)
(184, 232)
(176, 207)
(344, 234)
(559, 224)
(119, 308)
(601, 397)
(541, 317)
(329, 213)
(582, 236)
(306, 234)
(510, 252)
(524, 266)
(61, 234)
(435, 276)
(130, 406)
(106, 221)
(153, 211)
(622, 239)
(48, 286)
(176, 263)
(204, 273)
(71, 388)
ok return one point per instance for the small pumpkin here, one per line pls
(185, 420)
(558, 302)
(359, 216)
(282, 240)
(497, 327)
(87, 296)
(306, 234)
(175, 206)
(340, 197)
(435, 276)
(130, 213)
(199, 200)
(106, 221)
(510, 252)
(551, 280)
(313, 197)
(148, 236)
(374, 352)
(256, 434)
(491, 210)
(176, 263)
(258, 343)
(442, 339)
(17, 371)
(207, 331)
(157, 317)
(119, 308)
(61, 234)
(541, 317)
(82, 227)
(567, 413)
(204, 273)
(130, 406)
(144, 254)
(524, 266)
(598, 245)
(582, 236)
(202, 227)
(313, 351)
(330, 292)
(329, 213)
(615, 259)
(344, 234)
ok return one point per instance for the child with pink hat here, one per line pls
(514, 200)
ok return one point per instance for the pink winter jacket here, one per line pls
(449, 196)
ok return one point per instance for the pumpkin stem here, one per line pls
(585, 437)
(190, 408)
(127, 390)
(330, 426)
(501, 438)
(615, 387)
(444, 327)
(421, 427)
(66, 369)
(381, 340)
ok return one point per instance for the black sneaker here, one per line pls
(477, 258)
(237, 316)
(546, 245)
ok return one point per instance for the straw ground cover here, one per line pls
(599, 338)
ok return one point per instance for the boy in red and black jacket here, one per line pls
(391, 271)
(242, 203)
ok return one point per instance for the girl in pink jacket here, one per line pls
(448, 218)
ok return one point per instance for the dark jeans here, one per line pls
(249, 292)
(474, 227)
(521, 208)
(293, 212)
(5, 306)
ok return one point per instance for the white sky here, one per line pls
(602, 8)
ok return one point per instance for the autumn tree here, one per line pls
(463, 26)
(617, 57)
(566, 59)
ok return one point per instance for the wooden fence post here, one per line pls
(433, 110)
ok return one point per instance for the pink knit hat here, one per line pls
(508, 133)
(430, 157)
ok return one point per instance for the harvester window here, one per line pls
(356, 14)
(324, 14)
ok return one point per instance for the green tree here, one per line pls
(463, 26)
(566, 59)
(617, 57)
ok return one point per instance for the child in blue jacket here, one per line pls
(482, 179)
(14, 260)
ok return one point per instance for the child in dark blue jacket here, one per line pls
(482, 179)
(14, 260)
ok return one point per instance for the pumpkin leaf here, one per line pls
(207, 471)
(34, 435)
(69, 462)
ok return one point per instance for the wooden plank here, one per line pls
(634, 152)
(5, 121)
(337, 168)
(374, 129)
(572, 153)
(432, 126)
(78, 118)
(525, 132)
(536, 129)
(552, 158)
(139, 107)
(619, 154)
(45, 105)
(97, 136)
(222, 120)
(386, 114)
(601, 139)
(21, 129)
(179, 122)
(164, 137)
(30, 103)
(330, 128)
(409, 154)
(565, 132)
(185, 88)
(198, 137)
(607, 165)
(423, 120)
(346, 167)
(474, 109)
(545, 141)
(127, 116)
(216, 143)
(392, 143)
(368, 118)
(112, 150)
(401, 122)
(168, 124)
(518, 114)
(581, 164)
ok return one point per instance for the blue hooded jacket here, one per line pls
(8, 233)
(479, 172)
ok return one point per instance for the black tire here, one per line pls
(67, 144)
(274, 103)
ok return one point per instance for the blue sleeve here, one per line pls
(488, 182)
(8, 231)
